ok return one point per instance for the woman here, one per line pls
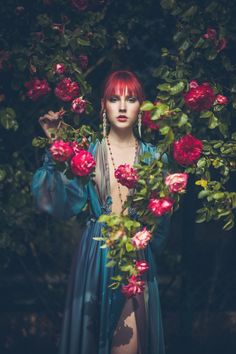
(99, 320)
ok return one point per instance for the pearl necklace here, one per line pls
(114, 166)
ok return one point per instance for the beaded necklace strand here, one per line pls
(114, 166)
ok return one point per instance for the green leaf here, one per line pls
(2, 174)
(111, 263)
(83, 42)
(206, 114)
(164, 130)
(129, 247)
(164, 87)
(182, 120)
(177, 88)
(218, 195)
(202, 194)
(7, 118)
(213, 122)
(147, 106)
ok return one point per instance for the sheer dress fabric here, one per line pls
(92, 310)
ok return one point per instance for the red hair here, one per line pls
(117, 83)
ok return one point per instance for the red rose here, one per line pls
(80, 5)
(141, 266)
(161, 206)
(211, 34)
(59, 68)
(61, 151)
(83, 60)
(147, 119)
(126, 175)
(199, 98)
(76, 147)
(140, 239)
(37, 88)
(82, 163)
(67, 89)
(220, 99)
(187, 150)
(78, 105)
(222, 44)
(135, 286)
(176, 182)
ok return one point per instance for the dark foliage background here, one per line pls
(161, 41)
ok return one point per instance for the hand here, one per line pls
(51, 120)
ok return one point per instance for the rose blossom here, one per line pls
(78, 105)
(83, 60)
(211, 34)
(141, 238)
(220, 99)
(59, 68)
(82, 163)
(187, 150)
(37, 88)
(141, 266)
(161, 206)
(135, 286)
(76, 147)
(176, 182)
(126, 175)
(199, 98)
(67, 89)
(61, 151)
(80, 5)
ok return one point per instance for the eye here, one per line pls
(113, 99)
(132, 99)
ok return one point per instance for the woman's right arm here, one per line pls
(52, 190)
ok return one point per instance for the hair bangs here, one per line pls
(123, 82)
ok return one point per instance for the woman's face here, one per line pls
(122, 110)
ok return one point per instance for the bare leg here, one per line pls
(125, 338)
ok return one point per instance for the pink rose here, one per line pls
(141, 238)
(67, 89)
(83, 60)
(82, 163)
(199, 98)
(161, 206)
(61, 151)
(59, 68)
(176, 182)
(126, 175)
(141, 266)
(135, 286)
(187, 150)
(37, 88)
(211, 34)
(76, 147)
(223, 100)
(78, 105)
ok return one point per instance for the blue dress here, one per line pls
(92, 309)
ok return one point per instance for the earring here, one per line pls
(140, 124)
(104, 124)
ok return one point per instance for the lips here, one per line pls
(122, 118)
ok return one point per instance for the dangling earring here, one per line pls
(140, 124)
(104, 124)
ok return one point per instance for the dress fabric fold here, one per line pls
(92, 309)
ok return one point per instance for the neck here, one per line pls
(121, 137)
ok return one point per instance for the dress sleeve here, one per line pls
(55, 193)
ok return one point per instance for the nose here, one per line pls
(122, 107)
